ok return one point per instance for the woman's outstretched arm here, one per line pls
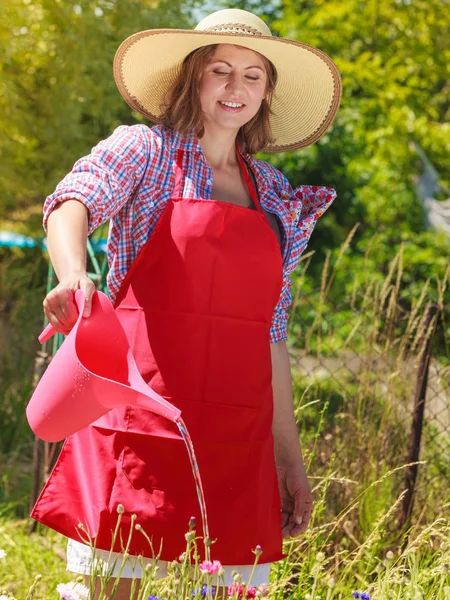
(294, 487)
(67, 232)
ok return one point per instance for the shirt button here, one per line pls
(209, 181)
(151, 203)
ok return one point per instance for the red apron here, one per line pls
(196, 306)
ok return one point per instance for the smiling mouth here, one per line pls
(232, 106)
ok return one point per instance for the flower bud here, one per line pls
(120, 509)
(320, 557)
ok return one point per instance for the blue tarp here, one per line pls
(16, 240)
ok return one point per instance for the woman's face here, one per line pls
(232, 87)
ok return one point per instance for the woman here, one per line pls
(202, 243)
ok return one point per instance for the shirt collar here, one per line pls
(188, 142)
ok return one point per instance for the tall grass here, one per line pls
(355, 358)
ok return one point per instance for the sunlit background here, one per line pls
(371, 306)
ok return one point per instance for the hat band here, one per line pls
(234, 28)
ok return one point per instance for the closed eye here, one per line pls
(249, 77)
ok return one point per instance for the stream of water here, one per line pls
(198, 483)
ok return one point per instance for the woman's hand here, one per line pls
(296, 499)
(59, 304)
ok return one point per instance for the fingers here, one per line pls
(285, 523)
(296, 514)
(291, 528)
(60, 307)
(288, 528)
(88, 288)
(306, 515)
(302, 512)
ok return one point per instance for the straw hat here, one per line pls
(306, 97)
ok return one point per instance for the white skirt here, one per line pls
(79, 560)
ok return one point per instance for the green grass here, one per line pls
(28, 556)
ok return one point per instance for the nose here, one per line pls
(234, 83)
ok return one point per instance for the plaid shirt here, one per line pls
(128, 179)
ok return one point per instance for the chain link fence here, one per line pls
(378, 366)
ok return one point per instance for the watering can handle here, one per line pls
(50, 331)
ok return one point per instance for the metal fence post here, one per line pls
(40, 364)
(418, 414)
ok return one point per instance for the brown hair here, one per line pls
(182, 111)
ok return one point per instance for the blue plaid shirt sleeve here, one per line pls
(278, 330)
(105, 179)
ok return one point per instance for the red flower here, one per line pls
(237, 588)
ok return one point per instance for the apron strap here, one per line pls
(178, 175)
(250, 185)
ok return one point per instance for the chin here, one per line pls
(230, 123)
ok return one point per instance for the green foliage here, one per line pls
(22, 289)
(28, 556)
(368, 286)
(57, 92)
(393, 58)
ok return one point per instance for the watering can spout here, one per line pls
(93, 372)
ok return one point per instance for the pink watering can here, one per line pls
(92, 372)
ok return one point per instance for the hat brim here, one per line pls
(304, 103)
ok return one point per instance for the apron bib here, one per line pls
(196, 306)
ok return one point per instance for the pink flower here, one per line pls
(210, 567)
(241, 592)
(72, 591)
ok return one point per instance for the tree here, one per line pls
(57, 93)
